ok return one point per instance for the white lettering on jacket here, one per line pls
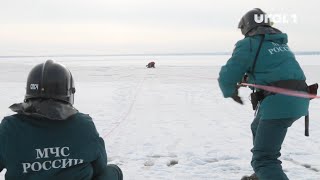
(43, 164)
(277, 48)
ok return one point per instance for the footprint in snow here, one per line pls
(172, 162)
(149, 162)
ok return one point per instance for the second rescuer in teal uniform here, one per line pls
(275, 66)
(48, 138)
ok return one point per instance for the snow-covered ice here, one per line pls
(171, 122)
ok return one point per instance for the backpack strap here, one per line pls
(256, 57)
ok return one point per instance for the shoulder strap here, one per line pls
(256, 57)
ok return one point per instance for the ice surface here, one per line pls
(171, 122)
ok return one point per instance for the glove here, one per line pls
(244, 79)
(236, 97)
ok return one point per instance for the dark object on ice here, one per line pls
(151, 65)
(252, 177)
(172, 162)
(50, 80)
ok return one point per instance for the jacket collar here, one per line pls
(263, 30)
(45, 108)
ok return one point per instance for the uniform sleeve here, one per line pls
(3, 142)
(100, 164)
(1, 164)
(232, 73)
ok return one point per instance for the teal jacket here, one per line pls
(275, 62)
(36, 148)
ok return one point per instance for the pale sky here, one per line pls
(50, 27)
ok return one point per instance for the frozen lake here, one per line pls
(175, 112)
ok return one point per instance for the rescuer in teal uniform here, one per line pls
(48, 138)
(275, 65)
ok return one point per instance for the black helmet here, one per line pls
(252, 19)
(50, 80)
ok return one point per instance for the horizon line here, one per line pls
(145, 54)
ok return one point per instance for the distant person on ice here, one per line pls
(265, 57)
(151, 65)
(48, 138)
